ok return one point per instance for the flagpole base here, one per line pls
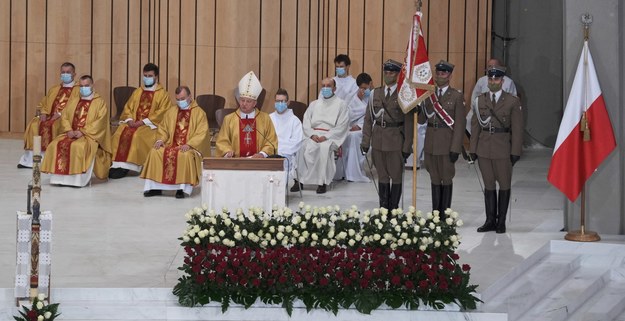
(582, 236)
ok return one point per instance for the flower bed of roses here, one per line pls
(325, 257)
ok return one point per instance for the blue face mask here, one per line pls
(280, 106)
(183, 104)
(326, 92)
(340, 71)
(367, 93)
(66, 78)
(85, 91)
(148, 81)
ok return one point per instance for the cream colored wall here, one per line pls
(210, 44)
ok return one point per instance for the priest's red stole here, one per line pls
(125, 139)
(170, 155)
(63, 147)
(45, 127)
(247, 137)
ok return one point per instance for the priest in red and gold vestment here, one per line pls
(248, 132)
(46, 124)
(139, 121)
(84, 147)
(183, 139)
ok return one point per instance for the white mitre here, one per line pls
(249, 86)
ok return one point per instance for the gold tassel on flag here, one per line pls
(584, 127)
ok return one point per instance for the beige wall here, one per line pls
(210, 44)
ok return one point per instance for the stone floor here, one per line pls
(109, 235)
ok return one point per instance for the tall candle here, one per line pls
(37, 145)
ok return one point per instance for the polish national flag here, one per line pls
(576, 155)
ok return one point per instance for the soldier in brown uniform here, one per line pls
(442, 143)
(389, 133)
(497, 138)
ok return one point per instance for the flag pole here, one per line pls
(582, 235)
(415, 142)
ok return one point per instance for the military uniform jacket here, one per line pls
(393, 129)
(439, 138)
(492, 140)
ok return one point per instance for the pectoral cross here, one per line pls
(248, 129)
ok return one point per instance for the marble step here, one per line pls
(160, 304)
(607, 304)
(527, 289)
(569, 295)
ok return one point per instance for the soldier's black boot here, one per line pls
(393, 201)
(502, 210)
(436, 197)
(446, 192)
(385, 191)
(490, 203)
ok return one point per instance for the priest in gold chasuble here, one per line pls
(139, 121)
(47, 123)
(84, 147)
(248, 132)
(183, 140)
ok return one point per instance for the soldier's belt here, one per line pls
(385, 124)
(437, 125)
(494, 130)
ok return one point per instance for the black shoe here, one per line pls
(490, 203)
(321, 189)
(179, 194)
(297, 186)
(116, 173)
(153, 192)
(22, 166)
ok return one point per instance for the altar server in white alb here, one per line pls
(352, 159)
(325, 127)
(346, 86)
(289, 130)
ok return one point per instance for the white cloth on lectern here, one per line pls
(289, 131)
(346, 87)
(328, 118)
(481, 86)
(351, 164)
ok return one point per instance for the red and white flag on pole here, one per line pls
(585, 137)
(415, 79)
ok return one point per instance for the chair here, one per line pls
(210, 104)
(120, 96)
(220, 114)
(299, 108)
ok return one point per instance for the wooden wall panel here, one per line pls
(205, 65)
(5, 62)
(209, 44)
(187, 45)
(17, 74)
(302, 58)
(35, 57)
(101, 67)
(237, 44)
(288, 40)
(355, 35)
(270, 40)
(119, 43)
(374, 23)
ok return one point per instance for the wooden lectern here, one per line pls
(243, 183)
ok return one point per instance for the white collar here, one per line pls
(386, 87)
(250, 115)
